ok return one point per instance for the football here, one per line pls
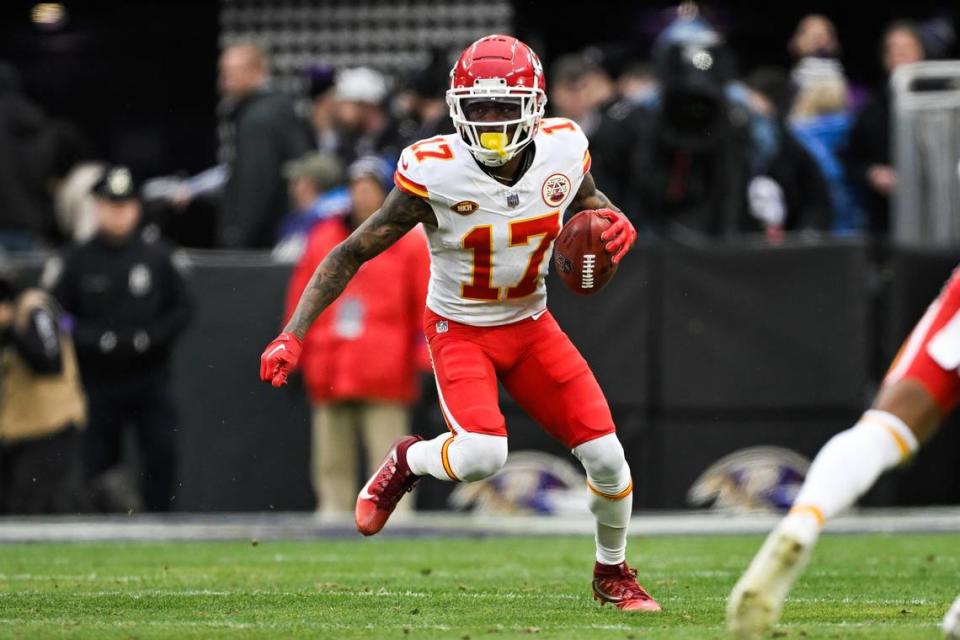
(579, 256)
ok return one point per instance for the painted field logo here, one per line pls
(555, 189)
(465, 207)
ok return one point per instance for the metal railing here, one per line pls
(926, 152)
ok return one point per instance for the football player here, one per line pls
(951, 621)
(491, 198)
(921, 387)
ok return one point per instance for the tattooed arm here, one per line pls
(589, 197)
(620, 235)
(400, 213)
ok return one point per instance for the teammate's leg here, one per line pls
(903, 416)
(921, 387)
(844, 469)
(554, 384)
(951, 621)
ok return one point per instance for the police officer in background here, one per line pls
(128, 304)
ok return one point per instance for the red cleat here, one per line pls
(617, 584)
(379, 497)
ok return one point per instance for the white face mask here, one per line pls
(491, 141)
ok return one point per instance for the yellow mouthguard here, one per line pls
(494, 141)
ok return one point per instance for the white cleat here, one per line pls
(757, 599)
(951, 621)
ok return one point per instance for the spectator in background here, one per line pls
(71, 176)
(580, 89)
(702, 160)
(26, 216)
(868, 153)
(794, 168)
(429, 86)
(42, 405)
(821, 121)
(688, 164)
(403, 118)
(322, 81)
(363, 125)
(315, 185)
(636, 83)
(815, 36)
(363, 355)
(266, 134)
(128, 304)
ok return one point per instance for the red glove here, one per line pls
(620, 236)
(280, 358)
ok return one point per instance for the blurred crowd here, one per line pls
(686, 144)
(688, 147)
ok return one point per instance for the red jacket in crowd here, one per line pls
(368, 344)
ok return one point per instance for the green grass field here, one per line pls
(537, 587)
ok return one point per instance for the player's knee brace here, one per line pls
(474, 456)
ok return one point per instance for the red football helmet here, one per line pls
(500, 69)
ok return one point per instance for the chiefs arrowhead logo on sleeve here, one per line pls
(555, 189)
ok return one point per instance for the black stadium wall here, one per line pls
(701, 352)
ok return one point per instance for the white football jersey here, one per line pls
(492, 246)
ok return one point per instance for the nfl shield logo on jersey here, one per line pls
(442, 326)
(513, 200)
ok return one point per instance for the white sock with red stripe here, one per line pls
(845, 468)
(465, 457)
(611, 495)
